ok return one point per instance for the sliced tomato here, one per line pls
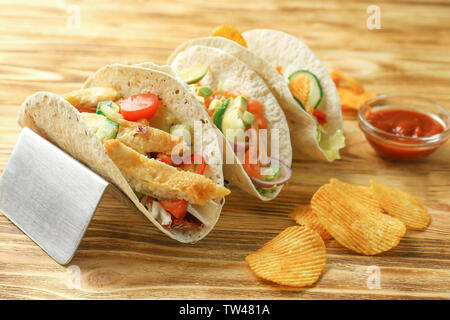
(198, 160)
(321, 117)
(139, 106)
(255, 108)
(177, 208)
(251, 168)
(166, 158)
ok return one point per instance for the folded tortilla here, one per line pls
(57, 120)
(233, 74)
(268, 49)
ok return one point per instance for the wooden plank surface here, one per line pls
(123, 255)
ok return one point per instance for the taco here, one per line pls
(298, 80)
(258, 152)
(134, 127)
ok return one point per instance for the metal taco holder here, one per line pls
(49, 195)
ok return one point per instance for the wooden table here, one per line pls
(123, 255)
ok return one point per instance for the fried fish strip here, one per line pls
(143, 139)
(90, 97)
(155, 178)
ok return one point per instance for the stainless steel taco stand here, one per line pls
(49, 195)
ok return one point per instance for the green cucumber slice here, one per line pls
(315, 89)
(108, 130)
(248, 118)
(194, 74)
(218, 114)
(109, 109)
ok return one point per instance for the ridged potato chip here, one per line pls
(362, 193)
(357, 226)
(231, 33)
(401, 205)
(305, 216)
(296, 257)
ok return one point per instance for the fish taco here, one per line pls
(135, 127)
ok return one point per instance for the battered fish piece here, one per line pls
(143, 139)
(157, 179)
(90, 97)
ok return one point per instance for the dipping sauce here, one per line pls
(405, 123)
(408, 127)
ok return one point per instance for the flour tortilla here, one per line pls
(235, 74)
(302, 126)
(287, 51)
(57, 120)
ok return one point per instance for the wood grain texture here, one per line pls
(123, 255)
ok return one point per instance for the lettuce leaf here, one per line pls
(330, 145)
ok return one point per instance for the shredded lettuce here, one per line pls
(330, 145)
(267, 192)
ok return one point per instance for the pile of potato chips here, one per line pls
(367, 220)
(351, 92)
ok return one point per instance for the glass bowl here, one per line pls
(402, 148)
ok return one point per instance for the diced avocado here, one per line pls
(219, 113)
(183, 131)
(232, 125)
(109, 109)
(270, 173)
(267, 192)
(315, 89)
(194, 74)
(214, 104)
(200, 99)
(248, 118)
(241, 103)
(204, 91)
(108, 130)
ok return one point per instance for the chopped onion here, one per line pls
(285, 173)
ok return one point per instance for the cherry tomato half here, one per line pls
(139, 106)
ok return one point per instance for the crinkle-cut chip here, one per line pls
(305, 216)
(357, 226)
(231, 33)
(300, 87)
(296, 257)
(362, 193)
(401, 205)
(351, 83)
(351, 100)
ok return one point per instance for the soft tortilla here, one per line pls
(235, 74)
(56, 119)
(302, 126)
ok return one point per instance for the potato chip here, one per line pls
(401, 205)
(296, 257)
(357, 226)
(362, 193)
(351, 100)
(351, 83)
(230, 33)
(305, 216)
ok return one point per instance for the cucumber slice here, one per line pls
(109, 109)
(218, 114)
(194, 74)
(248, 118)
(315, 89)
(205, 92)
(108, 130)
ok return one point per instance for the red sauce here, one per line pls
(405, 123)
